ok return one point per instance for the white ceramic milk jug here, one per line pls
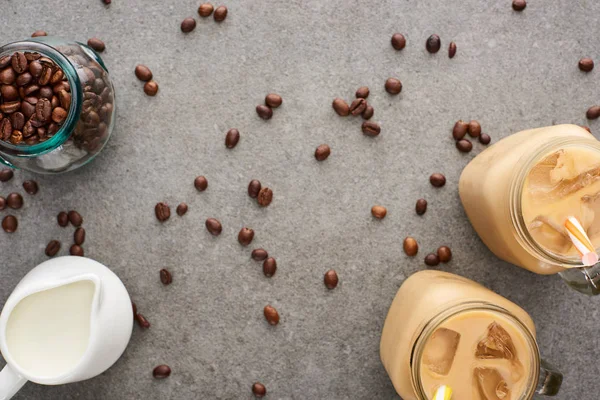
(69, 319)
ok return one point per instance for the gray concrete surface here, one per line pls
(512, 71)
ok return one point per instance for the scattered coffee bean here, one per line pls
(220, 14)
(393, 86)
(142, 321)
(200, 183)
(362, 92)
(264, 112)
(39, 33)
(165, 277)
(370, 128)
(330, 279)
(368, 113)
(273, 100)
(593, 112)
(188, 25)
(398, 41)
(63, 219)
(474, 128)
(213, 226)
(358, 106)
(6, 174)
(79, 236)
(433, 44)
(432, 259)
(14, 201)
(107, 2)
(76, 250)
(162, 211)
(437, 180)
(259, 254)
(96, 44)
(379, 212)
(410, 246)
(10, 223)
(182, 209)
(151, 88)
(444, 254)
(460, 129)
(464, 145)
(205, 10)
(452, 50)
(161, 372)
(341, 107)
(254, 188)
(271, 315)
(143, 73)
(484, 138)
(232, 138)
(52, 248)
(259, 390)
(586, 64)
(421, 206)
(245, 236)
(75, 218)
(519, 5)
(322, 152)
(2, 203)
(269, 267)
(265, 196)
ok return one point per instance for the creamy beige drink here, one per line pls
(442, 329)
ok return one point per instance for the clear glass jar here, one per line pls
(91, 114)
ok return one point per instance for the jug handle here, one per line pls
(550, 379)
(10, 382)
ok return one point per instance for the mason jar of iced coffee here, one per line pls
(520, 193)
(445, 331)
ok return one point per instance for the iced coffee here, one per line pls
(442, 329)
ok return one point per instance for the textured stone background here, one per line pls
(512, 71)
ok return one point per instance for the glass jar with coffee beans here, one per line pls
(57, 105)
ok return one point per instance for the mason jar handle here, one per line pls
(549, 381)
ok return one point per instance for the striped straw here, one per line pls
(443, 393)
(581, 241)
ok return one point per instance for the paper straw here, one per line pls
(581, 241)
(444, 392)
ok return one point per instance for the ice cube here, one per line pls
(496, 344)
(440, 350)
(590, 213)
(491, 384)
(549, 234)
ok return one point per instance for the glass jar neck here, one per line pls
(434, 323)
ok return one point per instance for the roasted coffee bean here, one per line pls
(460, 129)
(433, 44)
(362, 92)
(358, 106)
(64, 85)
(31, 187)
(188, 25)
(393, 86)
(7, 76)
(484, 138)
(35, 68)
(341, 107)
(43, 110)
(331, 279)
(368, 113)
(421, 206)
(220, 14)
(134, 309)
(200, 183)
(32, 56)
(271, 315)
(165, 277)
(398, 41)
(464, 145)
(264, 112)
(10, 224)
(322, 152)
(182, 209)
(232, 138)
(46, 75)
(52, 248)
(444, 254)
(107, 2)
(16, 137)
(52, 128)
(162, 212)
(96, 44)
(2, 203)
(259, 254)
(59, 115)
(259, 390)
(14, 201)
(64, 98)
(273, 100)
(39, 33)
(432, 260)
(205, 10)
(452, 50)
(161, 372)
(76, 250)
(245, 236)
(27, 109)
(9, 92)
(519, 5)
(63, 219)
(24, 79)
(437, 180)
(269, 267)
(79, 236)
(151, 88)
(142, 321)
(474, 128)
(213, 226)
(19, 62)
(75, 218)
(33, 140)
(143, 73)
(20, 121)
(593, 112)
(586, 64)
(379, 212)
(6, 174)
(30, 89)
(5, 128)
(370, 128)
(10, 107)
(57, 77)
(265, 197)
(254, 188)
(4, 61)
